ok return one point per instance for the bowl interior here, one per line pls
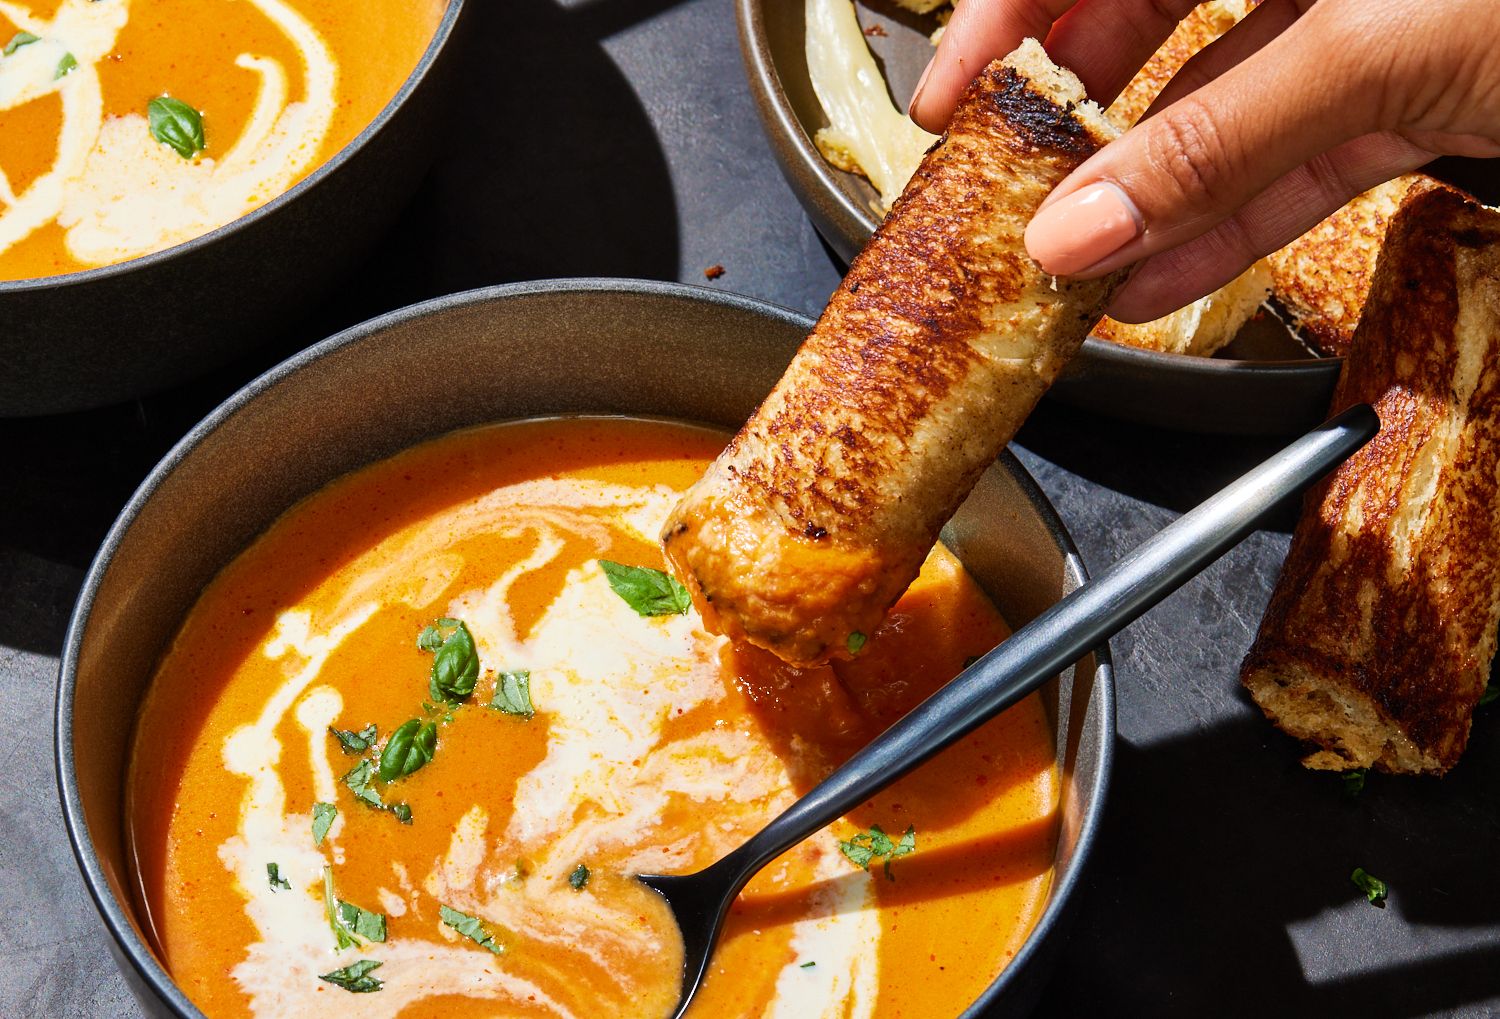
(510, 352)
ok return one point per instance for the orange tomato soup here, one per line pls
(572, 741)
(102, 160)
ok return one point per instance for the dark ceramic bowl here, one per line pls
(651, 349)
(1264, 383)
(110, 334)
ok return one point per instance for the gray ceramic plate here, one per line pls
(1264, 383)
(524, 350)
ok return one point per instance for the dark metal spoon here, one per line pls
(1027, 659)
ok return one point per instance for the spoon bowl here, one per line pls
(1027, 659)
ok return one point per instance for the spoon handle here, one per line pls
(1062, 634)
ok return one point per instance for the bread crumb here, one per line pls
(713, 272)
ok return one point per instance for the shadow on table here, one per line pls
(1218, 845)
(1174, 470)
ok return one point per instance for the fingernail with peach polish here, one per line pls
(911, 107)
(1086, 227)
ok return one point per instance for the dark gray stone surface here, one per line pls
(616, 137)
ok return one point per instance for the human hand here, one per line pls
(1299, 108)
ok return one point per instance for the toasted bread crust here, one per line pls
(1323, 278)
(1379, 636)
(937, 345)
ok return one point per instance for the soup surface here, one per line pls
(97, 167)
(284, 849)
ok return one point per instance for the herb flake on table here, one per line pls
(455, 661)
(355, 977)
(1375, 889)
(356, 742)
(472, 928)
(649, 592)
(807, 965)
(875, 844)
(1354, 781)
(323, 815)
(513, 693)
(579, 878)
(176, 125)
(274, 878)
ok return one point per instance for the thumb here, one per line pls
(1190, 168)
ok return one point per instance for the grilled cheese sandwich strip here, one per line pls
(928, 358)
(1379, 637)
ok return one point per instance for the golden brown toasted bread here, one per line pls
(1323, 277)
(935, 348)
(1210, 322)
(1379, 636)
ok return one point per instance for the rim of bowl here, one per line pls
(813, 178)
(441, 36)
(143, 960)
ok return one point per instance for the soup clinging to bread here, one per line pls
(131, 126)
(414, 742)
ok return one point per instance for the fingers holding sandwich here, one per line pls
(1272, 128)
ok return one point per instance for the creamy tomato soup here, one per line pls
(128, 126)
(412, 744)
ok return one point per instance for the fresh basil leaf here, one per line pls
(18, 40)
(274, 878)
(363, 923)
(66, 66)
(1375, 889)
(356, 742)
(513, 693)
(472, 928)
(579, 877)
(176, 125)
(358, 780)
(1354, 781)
(856, 642)
(355, 977)
(455, 666)
(876, 844)
(408, 750)
(649, 592)
(323, 815)
(436, 633)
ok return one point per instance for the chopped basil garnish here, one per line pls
(274, 878)
(364, 924)
(176, 125)
(355, 977)
(356, 742)
(66, 66)
(409, 749)
(1375, 889)
(876, 844)
(350, 925)
(807, 965)
(856, 642)
(1491, 691)
(513, 693)
(455, 664)
(359, 782)
(579, 877)
(472, 928)
(1354, 782)
(650, 592)
(323, 815)
(18, 40)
